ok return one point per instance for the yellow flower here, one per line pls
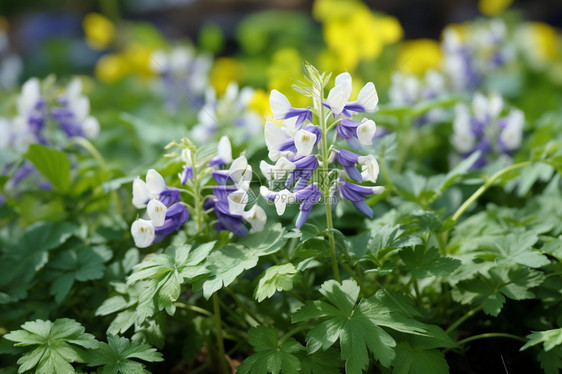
(544, 40)
(493, 7)
(224, 71)
(353, 33)
(287, 65)
(138, 58)
(111, 67)
(418, 56)
(100, 32)
(260, 103)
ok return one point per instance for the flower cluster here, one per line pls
(165, 213)
(408, 90)
(482, 128)
(231, 111)
(474, 52)
(232, 194)
(182, 73)
(73, 114)
(33, 111)
(298, 147)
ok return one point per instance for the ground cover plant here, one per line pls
(379, 205)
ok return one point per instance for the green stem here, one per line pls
(461, 320)
(291, 333)
(487, 185)
(243, 306)
(193, 308)
(88, 146)
(218, 328)
(486, 336)
(325, 188)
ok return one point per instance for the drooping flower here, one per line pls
(290, 140)
(357, 194)
(307, 197)
(164, 210)
(224, 153)
(282, 109)
(367, 100)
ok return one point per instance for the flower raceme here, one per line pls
(165, 213)
(482, 128)
(297, 150)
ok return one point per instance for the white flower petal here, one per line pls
(185, 156)
(266, 170)
(91, 127)
(366, 131)
(304, 141)
(30, 95)
(143, 233)
(74, 88)
(369, 167)
(155, 183)
(279, 103)
(156, 210)
(224, 150)
(237, 201)
(283, 198)
(141, 194)
(339, 95)
(274, 136)
(256, 217)
(368, 97)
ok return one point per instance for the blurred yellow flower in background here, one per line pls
(224, 71)
(111, 67)
(260, 103)
(138, 57)
(99, 31)
(353, 33)
(493, 7)
(544, 40)
(418, 56)
(286, 65)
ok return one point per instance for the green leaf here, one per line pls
(272, 355)
(356, 326)
(551, 361)
(266, 242)
(550, 339)
(276, 278)
(412, 360)
(53, 164)
(80, 265)
(57, 345)
(29, 255)
(423, 264)
(321, 362)
(116, 355)
(225, 265)
(491, 291)
(164, 274)
(517, 248)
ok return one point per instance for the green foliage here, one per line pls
(424, 263)
(53, 164)
(272, 355)
(491, 291)
(356, 326)
(54, 345)
(275, 278)
(23, 259)
(116, 356)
